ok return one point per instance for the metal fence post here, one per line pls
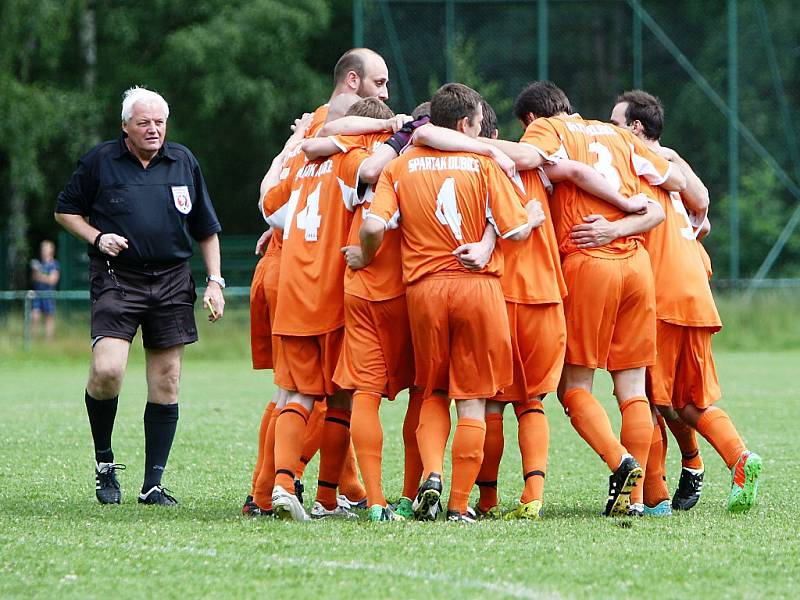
(358, 23)
(543, 40)
(733, 135)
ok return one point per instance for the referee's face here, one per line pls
(146, 129)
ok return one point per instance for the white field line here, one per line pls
(276, 561)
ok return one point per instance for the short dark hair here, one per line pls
(542, 99)
(645, 108)
(370, 107)
(489, 123)
(352, 60)
(452, 102)
(422, 110)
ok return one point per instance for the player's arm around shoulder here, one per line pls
(596, 230)
(695, 195)
(510, 212)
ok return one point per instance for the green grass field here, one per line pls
(58, 541)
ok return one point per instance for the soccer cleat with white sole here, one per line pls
(690, 486)
(453, 516)
(158, 494)
(340, 512)
(345, 502)
(286, 506)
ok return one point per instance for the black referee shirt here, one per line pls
(158, 209)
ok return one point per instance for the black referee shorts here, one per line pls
(160, 299)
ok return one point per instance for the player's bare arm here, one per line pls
(450, 140)
(319, 147)
(371, 236)
(272, 176)
(357, 125)
(372, 167)
(695, 196)
(212, 297)
(476, 255)
(589, 180)
(597, 231)
(261, 244)
(675, 181)
(524, 156)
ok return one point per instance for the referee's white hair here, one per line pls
(142, 96)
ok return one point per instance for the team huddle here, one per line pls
(422, 253)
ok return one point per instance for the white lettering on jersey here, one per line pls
(447, 207)
(444, 163)
(597, 129)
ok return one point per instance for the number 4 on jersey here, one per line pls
(447, 207)
(308, 219)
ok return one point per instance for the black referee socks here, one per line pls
(160, 423)
(101, 419)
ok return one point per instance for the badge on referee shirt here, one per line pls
(180, 195)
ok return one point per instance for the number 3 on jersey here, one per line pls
(447, 207)
(605, 165)
(308, 219)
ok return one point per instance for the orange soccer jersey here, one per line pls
(532, 271)
(683, 295)
(382, 279)
(459, 326)
(620, 157)
(444, 199)
(318, 218)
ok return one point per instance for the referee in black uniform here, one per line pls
(139, 202)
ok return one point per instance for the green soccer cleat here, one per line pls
(744, 482)
(490, 514)
(404, 508)
(379, 513)
(531, 511)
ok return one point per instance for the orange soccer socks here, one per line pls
(534, 439)
(432, 433)
(313, 437)
(290, 428)
(636, 435)
(716, 427)
(349, 484)
(332, 453)
(412, 472)
(492, 453)
(467, 454)
(262, 490)
(591, 422)
(262, 434)
(655, 477)
(687, 442)
(365, 428)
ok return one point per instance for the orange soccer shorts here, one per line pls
(538, 343)
(610, 311)
(260, 322)
(459, 329)
(684, 372)
(377, 355)
(306, 364)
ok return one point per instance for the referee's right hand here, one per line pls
(112, 244)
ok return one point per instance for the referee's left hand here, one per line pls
(214, 301)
